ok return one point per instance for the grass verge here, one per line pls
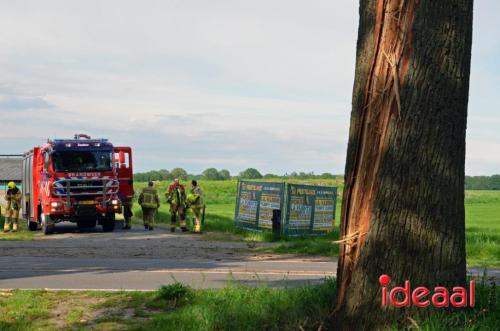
(21, 234)
(174, 307)
(178, 307)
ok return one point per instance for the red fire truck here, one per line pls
(81, 180)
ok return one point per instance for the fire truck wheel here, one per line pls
(47, 224)
(108, 223)
(32, 226)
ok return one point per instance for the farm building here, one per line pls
(10, 169)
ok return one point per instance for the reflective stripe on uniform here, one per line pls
(148, 200)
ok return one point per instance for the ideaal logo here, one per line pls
(423, 297)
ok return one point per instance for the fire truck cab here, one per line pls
(81, 180)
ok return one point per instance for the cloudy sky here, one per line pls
(197, 84)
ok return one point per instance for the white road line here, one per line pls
(190, 271)
(246, 272)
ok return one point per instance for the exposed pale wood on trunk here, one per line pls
(405, 163)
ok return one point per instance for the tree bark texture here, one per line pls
(403, 203)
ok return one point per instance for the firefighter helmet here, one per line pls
(11, 185)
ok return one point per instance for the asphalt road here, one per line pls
(145, 260)
(149, 274)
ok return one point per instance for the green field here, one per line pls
(482, 227)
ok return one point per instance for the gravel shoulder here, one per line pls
(138, 243)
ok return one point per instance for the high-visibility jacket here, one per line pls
(176, 195)
(149, 198)
(13, 197)
(196, 197)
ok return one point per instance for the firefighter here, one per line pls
(176, 197)
(150, 202)
(13, 197)
(195, 201)
(127, 214)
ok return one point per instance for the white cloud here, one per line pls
(200, 83)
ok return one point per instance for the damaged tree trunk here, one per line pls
(403, 203)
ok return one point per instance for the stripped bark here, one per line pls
(402, 208)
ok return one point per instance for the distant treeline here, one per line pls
(223, 174)
(482, 182)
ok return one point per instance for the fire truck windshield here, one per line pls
(82, 161)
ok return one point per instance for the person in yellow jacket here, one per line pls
(176, 197)
(195, 201)
(149, 202)
(13, 197)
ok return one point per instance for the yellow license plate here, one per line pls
(87, 202)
